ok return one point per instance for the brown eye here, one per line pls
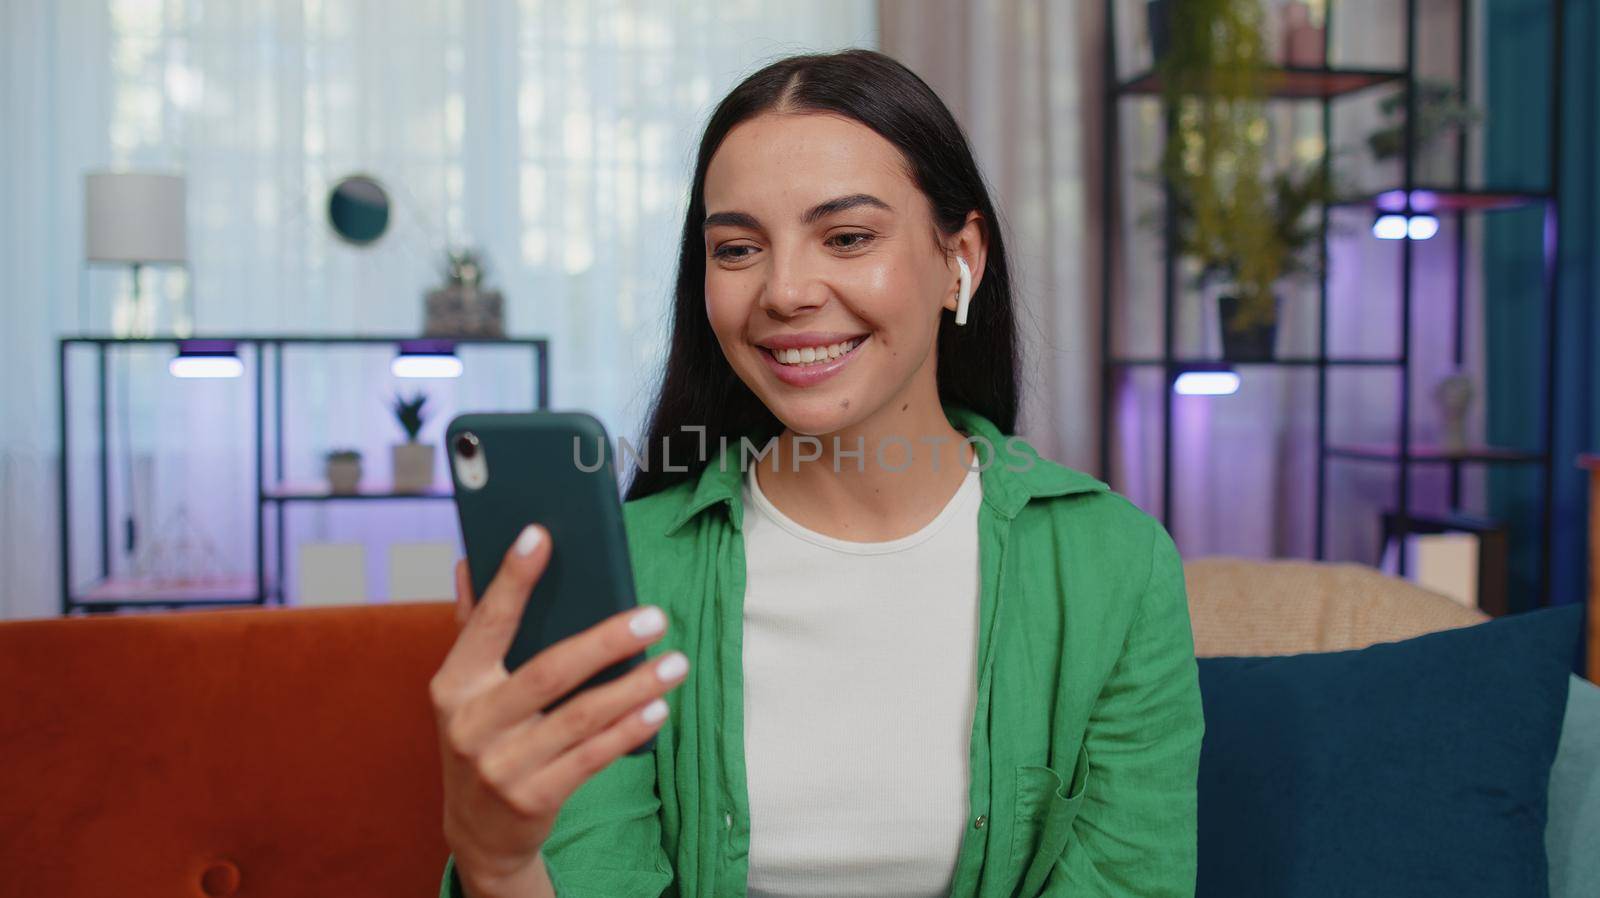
(726, 253)
(862, 240)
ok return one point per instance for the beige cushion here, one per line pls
(1242, 606)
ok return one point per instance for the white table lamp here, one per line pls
(135, 219)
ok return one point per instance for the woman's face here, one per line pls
(819, 246)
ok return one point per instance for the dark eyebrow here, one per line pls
(813, 215)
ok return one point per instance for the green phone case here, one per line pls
(536, 474)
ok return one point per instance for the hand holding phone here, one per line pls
(545, 685)
(509, 766)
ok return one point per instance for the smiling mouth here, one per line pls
(813, 355)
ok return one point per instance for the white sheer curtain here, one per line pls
(1023, 80)
(557, 135)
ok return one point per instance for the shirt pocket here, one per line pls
(1047, 803)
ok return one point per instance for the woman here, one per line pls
(925, 660)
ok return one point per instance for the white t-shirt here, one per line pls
(859, 691)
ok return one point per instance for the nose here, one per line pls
(792, 288)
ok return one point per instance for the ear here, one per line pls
(970, 243)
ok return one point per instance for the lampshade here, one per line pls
(134, 217)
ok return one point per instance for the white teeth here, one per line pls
(814, 354)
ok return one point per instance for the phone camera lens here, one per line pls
(467, 445)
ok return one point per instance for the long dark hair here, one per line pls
(976, 363)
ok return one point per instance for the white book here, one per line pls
(422, 572)
(331, 574)
(1443, 562)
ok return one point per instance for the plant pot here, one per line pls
(344, 476)
(1303, 42)
(413, 467)
(1155, 24)
(1251, 344)
(459, 311)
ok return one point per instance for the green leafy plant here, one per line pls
(343, 455)
(1439, 110)
(1213, 80)
(409, 413)
(465, 265)
(1291, 195)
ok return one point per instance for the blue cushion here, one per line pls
(1572, 840)
(1412, 768)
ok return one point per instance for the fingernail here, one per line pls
(671, 667)
(654, 711)
(528, 540)
(647, 621)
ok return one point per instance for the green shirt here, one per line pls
(1086, 738)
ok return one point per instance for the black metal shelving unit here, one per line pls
(1325, 86)
(261, 353)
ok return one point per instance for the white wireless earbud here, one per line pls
(964, 298)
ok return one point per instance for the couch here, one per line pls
(254, 752)
(1244, 607)
(291, 752)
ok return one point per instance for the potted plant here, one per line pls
(1440, 110)
(413, 460)
(343, 470)
(464, 306)
(1289, 231)
(1246, 230)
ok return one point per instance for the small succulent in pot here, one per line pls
(343, 470)
(413, 460)
(464, 305)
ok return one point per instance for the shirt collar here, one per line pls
(1015, 474)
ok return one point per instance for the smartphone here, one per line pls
(553, 468)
